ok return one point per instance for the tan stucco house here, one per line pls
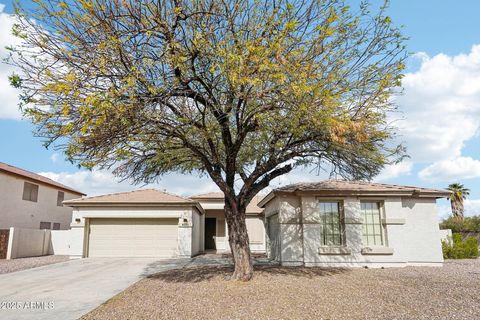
(29, 200)
(153, 223)
(341, 223)
(330, 223)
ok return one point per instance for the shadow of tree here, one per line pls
(205, 273)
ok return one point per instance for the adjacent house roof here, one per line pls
(137, 196)
(9, 169)
(252, 207)
(357, 188)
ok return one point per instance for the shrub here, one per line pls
(456, 248)
(469, 224)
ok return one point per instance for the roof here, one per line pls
(251, 208)
(143, 196)
(36, 177)
(359, 188)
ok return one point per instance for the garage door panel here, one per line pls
(133, 237)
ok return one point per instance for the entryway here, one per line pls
(210, 233)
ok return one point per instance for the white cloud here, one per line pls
(8, 95)
(98, 182)
(472, 208)
(451, 170)
(441, 106)
(395, 170)
(54, 157)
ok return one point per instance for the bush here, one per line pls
(469, 224)
(456, 248)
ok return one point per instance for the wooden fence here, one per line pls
(4, 242)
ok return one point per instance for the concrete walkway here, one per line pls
(70, 289)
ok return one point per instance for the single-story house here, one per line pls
(329, 223)
(345, 223)
(153, 223)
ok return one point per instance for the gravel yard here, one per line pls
(7, 266)
(450, 292)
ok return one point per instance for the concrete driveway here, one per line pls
(70, 289)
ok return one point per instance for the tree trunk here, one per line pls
(239, 243)
(457, 209)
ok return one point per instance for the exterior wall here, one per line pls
(196, 233)
(410, 224)
(28, 243)
(18, 213)
(187, 222)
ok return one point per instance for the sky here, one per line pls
(440, 107)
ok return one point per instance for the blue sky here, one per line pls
(441, 108)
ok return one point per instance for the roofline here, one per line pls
(77, 203)
(345, 192)
(65, 188)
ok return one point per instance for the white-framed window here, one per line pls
(60, 198)
(30, 192)
(373, 232)
(332, 223)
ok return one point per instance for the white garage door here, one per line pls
(133, 238)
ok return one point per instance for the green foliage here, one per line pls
(15, 80)
(468, 224)
(456, 248)
(235, 89)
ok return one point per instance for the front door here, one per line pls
(210, 233)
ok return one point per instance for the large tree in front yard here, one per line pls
(243, 91)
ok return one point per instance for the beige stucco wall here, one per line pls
(24, 242)
(18, 213)
(189, 224)
(411, 229)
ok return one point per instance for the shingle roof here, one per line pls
(36, 177)
(144, 196)
(251, 208)
(209, 195)
(341, 187)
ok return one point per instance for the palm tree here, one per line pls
(459, 193)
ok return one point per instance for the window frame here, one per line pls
(32, 196)
(341, 223)
(49, 228)
(60, 203)
(381, 217)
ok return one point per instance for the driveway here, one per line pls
(68, 290)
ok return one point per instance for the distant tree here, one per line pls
(243, 91)
(459, 193)
(468, 224)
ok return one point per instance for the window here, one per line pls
(56, 226)
(332, 224)
(45, 225)
(372, 224)
(60, 198)
(30, 192)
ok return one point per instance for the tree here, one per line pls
(459, 193)
(243, 91)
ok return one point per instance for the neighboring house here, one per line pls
(341, 223)
(330, 223)
(152, 223)
(29, 200)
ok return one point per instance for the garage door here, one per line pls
(133, 238)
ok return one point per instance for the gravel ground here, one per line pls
(7, 266)
(450, 292)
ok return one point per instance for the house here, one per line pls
(153, 223)
(343, 223)
(329, 223)
(216, 232)
(29, 200)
